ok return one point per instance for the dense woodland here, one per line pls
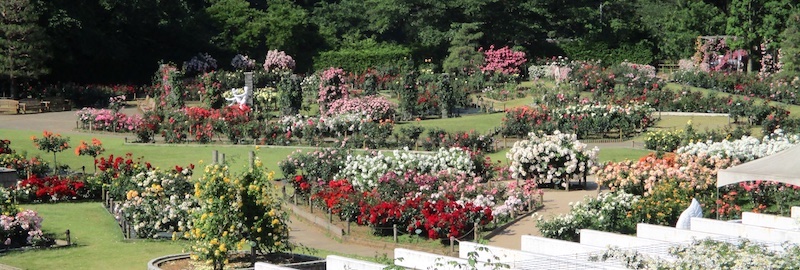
(122, 41)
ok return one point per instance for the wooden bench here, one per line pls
(58, 104)
(30, 105)
(147, 104)
(9, 106)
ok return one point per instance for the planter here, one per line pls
(182, 261)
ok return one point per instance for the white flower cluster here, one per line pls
(595, 110)
(163, 205)
(363, 171)
(600, 213)
(335, 125)
(745, 149)
(551, 157)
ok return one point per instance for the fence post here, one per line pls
(330, 215)
(348, 225)
(394, 232)
(477, 232)
(214, 157)
(310, 204)
(452, 244)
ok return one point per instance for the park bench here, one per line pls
(147, 104)
(30, 105)
(9, 106)
(57, 104)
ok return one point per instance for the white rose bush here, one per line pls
(552, 158)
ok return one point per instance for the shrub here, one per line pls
(160, 201)
(554, 158)
(278, 61)
(234, 211)
(332, 87)
(361, 59)
(374, 107)
(609, 211)
(201, 63)
(503, 60)
(243, 63)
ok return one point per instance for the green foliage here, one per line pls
(640, 52)
(609, 212)
(408, 96)
(679, 23)
(290, 94)
(790, 46)
(242, 28)
(362, 58)
(463, 57)
(23, 42)
(234, 211)
(447, 96)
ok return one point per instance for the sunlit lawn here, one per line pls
(98, 239)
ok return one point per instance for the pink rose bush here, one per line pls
(374, 107)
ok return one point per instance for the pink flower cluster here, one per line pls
(372, 107)
(503, 60)
(28, 223)
(108, 120)
(278, 61)
(332, 85)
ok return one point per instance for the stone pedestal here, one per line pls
(8, 177)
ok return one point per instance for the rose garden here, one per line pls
(217, 166)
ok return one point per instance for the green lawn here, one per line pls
(98, 239)
(164, 156)
(482, 123)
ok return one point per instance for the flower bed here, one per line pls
(583, 120)
(107, 120)
(19, 228)
(434, 196)
(50, 189)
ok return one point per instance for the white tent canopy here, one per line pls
(781, 167)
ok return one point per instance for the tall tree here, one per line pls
(676, 24)
(23, 44)
(464, 57)
(755, 21)
(241, 28)
(790, 46)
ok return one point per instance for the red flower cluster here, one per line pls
(51, 188)
(301, 184)
(446, 218)
(4, 147)
(119, 165)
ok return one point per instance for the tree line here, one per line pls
(121, 41)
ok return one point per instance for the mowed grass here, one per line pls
(161, 155)
(482, 123)
(98, 240)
